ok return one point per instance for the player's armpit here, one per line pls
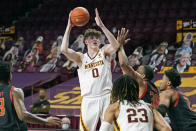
(159, 123)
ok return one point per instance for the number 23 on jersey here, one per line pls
(137, 115)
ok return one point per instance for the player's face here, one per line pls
(164, 83)
(92, 42)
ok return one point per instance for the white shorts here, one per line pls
(91, 110)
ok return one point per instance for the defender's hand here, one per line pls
(122, 36)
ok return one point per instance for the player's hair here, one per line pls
(174, 77)
(125, 88)
(91, 32)
(4, 72)
(148, 71)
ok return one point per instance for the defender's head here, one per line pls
(5, 72)
(146, 71)
(92, 38)
(170, 79)
(125, 88)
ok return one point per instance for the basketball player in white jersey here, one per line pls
(128, 112)
(94, 73)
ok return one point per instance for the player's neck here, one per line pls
(92, 52)
(169, 87)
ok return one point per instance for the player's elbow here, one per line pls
(23, 116)
(64, 51)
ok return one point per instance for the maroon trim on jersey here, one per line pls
(11, 94)
(94, 56)
(146, 86)
(177, 101)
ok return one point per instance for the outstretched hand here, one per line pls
(98, 19)
(122, 36)
(53, 121)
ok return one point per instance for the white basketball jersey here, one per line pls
(95, 75)
(138, 118)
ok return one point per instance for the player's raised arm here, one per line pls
(123, 60)
(111, 48)
(69, 53)
(24, 115)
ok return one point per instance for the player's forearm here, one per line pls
(65, 42)
(31, 118)
(123, 60)
(112, 40)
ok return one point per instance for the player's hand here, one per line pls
(98, 19)
(53, 121)
(69, 24)
(122, 36)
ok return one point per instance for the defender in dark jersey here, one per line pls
(13, 113)
(175, 103)
(147, 90)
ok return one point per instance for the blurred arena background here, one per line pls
(31, 32)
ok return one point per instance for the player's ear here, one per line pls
(169, 83)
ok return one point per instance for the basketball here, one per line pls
(79, 16)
